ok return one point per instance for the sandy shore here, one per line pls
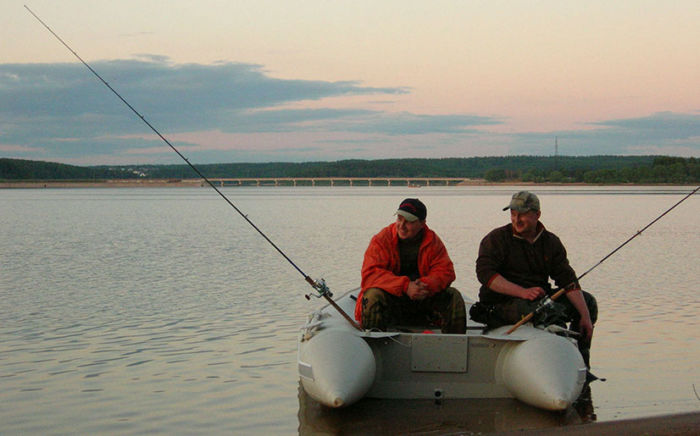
(667, 425)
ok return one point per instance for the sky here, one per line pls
(297, 81)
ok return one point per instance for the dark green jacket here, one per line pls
(517, 260)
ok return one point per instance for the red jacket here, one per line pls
(381, 265)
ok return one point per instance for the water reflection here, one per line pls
(94, 283)
(474, 416)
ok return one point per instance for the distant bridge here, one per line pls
(337, 181)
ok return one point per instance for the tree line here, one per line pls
(538, 169)
(661, 169)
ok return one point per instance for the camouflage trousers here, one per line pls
(381, 310)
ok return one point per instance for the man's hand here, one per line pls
(502, 286)
(532, 293)
(585, 325)
(586, 328)
(417, 290)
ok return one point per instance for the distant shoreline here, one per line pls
(116, 183)
(196, 183)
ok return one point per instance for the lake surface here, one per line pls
(138, 310)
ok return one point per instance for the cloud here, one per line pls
(186, 97)
(659, 126)
(290, 119)
(64, 111)
(60, 112)
(360, 121)
(659, 133)
(415, 124)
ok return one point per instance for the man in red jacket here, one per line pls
(406, 277)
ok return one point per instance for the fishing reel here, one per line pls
(320, 287)
(548, 312)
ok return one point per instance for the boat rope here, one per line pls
(318, 285)
(569, 287)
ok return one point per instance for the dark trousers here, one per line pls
(381, 310)
(514, 309)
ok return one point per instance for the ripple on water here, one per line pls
(148, 317)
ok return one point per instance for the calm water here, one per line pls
(138, 311)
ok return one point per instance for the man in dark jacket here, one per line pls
(515, 264)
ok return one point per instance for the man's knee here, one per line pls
(373, 297)
(374, 294)
(374, 308)
(456, 300)
(456, 313)
(592, 305)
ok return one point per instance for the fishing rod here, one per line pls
(318, 285)
(548, 300)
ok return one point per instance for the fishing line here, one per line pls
(319, 286)
(639, 232)
(568, 287)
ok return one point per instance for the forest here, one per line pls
(508, 169)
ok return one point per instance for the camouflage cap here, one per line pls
(524, 201)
